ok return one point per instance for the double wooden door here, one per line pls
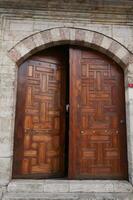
(70, 116)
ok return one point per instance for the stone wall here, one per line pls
(113, 11)
(15, 25)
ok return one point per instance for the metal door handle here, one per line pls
(67, 107)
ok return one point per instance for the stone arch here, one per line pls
(77, 36)
(67, 35)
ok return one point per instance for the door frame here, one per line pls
(91, 39)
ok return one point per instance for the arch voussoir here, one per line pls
(63, 35)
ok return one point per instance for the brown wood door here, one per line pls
(95, 125)
(97, 146)
(40, 116)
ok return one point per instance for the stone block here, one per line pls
(0, 193)
(130, 97)
(127, 59)
(40, 25)
(18, 36)
(29, 43)
(38, 39)
(7, 111)
(7, 45)
(14, 54)
(122, 186)
(72, 35)
(89, 36)
(7, 80)
(113, 196)
(65, 34)
(7, 99)
(68, 196)
(55, 34)
(130, 69)
(100, 186)
(122, 52)
(11, 69)
(7, 102)
(20, 25)
(6, 124)
(7, 61)
(6, 144)
(91, 186)
(97, 39)
(22, 49)
(43, 196)
(114, 47)
(46, 36)
(106, 42)
(131, 173)
(56, 186)
(20, 186)
(5, 170)
(80, 35)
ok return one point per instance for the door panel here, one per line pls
(97, 117)
(40, 116)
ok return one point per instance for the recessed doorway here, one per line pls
(70, 116)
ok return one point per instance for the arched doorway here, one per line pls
(70, 116)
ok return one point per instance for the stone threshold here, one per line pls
(69, 186)
(68, 196)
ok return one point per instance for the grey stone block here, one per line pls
(68, 196)
(22, 49)
(122, 186)
(41, 196)
(56, 186)
(55, 33)
(25, 186)
(66, 186)
(5, 170)
(100, 186)
(38, 39)
(0, 193)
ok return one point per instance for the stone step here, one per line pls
(69, 186)
(68, 196)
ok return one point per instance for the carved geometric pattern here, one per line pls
(43, 134)
(97, 134)
(42, 117)
(101, 151)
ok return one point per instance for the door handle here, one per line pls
(67, 107)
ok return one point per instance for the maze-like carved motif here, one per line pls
(97, 135)
(42, 151)
(39, 145)
(102, 136)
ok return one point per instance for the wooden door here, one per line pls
(97, 117)
(40, 116)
